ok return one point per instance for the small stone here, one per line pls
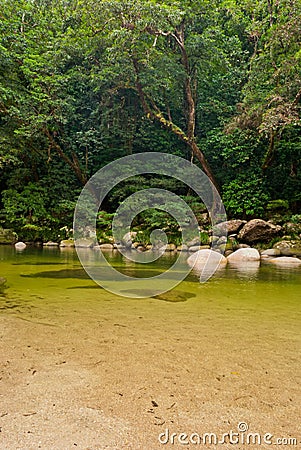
(222, 240)
(105, 246)
(118, 245)
(199, 247)
(194, 242)
(85, 243)
(67, 243)
(194, 248)
(286, 261)
(51, 244)
(170, 248)
(182, 248)
(270, 252)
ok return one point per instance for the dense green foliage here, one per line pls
(84, 83)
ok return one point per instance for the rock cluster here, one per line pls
(245, 258)
(234, 239)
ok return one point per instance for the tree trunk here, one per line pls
(73, 163)
(191, 111)
(154, 114)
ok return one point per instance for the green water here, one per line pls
(215, 353)
(40, 278)
(51, 272)
(49, 285)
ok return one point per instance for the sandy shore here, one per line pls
(116, 374)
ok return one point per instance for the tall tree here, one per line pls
(149, 40)
(272, 93)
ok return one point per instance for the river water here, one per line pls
(200, 358)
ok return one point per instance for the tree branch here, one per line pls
(73, 163)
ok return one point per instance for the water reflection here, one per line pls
(245, 269)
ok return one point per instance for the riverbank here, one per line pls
(270, 239)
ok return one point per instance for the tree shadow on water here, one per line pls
(85, 287)
(60, 274)
(38, 263)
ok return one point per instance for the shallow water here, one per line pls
(224, 351)
(53, 274)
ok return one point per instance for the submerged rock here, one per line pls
(2, 281)
(248, 268)
(206, 257)
(174, 296)
(244, 254)
(258, 230)
(285, 261)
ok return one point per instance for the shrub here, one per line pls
(245, 197)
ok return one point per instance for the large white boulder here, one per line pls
(20, 245)
(203, 258)
(244, 254)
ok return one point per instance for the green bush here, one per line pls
(30, 213)
(104, 226)
(245, 197)
(296, 218)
